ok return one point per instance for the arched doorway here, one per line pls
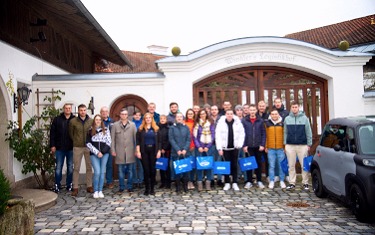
(6, 158)
(252, 84)
(131, 103)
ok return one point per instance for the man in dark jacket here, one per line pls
(61, 144)
(278, 104)
(255, 140)
(108, 122)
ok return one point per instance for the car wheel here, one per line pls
(358, 203)
(317, 184)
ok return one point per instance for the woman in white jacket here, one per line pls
(229, 137)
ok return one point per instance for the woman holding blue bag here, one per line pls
(179, 138)
(204, 136)
(229, 137)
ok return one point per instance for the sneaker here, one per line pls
(277, 178)
(282, 184)
(271, 184)
(290, 187)
(56, 188)
(226, 187)
(260, 184)
(69, 187)
(96, 195)
(248, 185)
(235, 187)
(306, 187)
(100, 194)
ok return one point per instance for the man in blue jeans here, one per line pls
(62, 146)
(123, 135)
(108, 122)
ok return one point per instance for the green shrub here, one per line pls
(5, 192)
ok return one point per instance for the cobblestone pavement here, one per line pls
(254, 211)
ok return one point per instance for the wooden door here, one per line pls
(249, 85)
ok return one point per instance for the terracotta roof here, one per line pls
(141, 62)
(357, 32)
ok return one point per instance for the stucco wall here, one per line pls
(22, 66)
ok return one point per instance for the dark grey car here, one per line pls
(344, 164)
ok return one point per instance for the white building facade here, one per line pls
(342, 71)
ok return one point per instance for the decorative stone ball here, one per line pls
(176, 51)
(344, 45)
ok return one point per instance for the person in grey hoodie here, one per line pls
(297, 140)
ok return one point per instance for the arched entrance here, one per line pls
(131, 103)
(252, 84)
(6, 159)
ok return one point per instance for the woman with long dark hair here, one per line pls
(99, 144)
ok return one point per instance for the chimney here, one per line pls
(158, 50)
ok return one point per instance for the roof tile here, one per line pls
(357, 32)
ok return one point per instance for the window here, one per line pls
(333, 135)
(367, 139)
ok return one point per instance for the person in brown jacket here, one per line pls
(123, 135)
(78, 128)
(275, 147)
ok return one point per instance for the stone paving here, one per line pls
(254, 211)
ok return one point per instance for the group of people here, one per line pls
(226, 134)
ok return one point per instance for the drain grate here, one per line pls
(297, 204)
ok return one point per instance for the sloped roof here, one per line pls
(357, 32)
(141, 62)
(75, 18)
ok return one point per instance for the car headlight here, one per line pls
(368, 162)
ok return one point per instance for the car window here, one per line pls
(349, 141)
(333, 135)
(367, 139)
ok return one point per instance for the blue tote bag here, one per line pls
(193, 162)
(205, 163)
(248, 163)
(162, 163)
(307, 162)
(284, 165)
(182, 165)
(222, 167)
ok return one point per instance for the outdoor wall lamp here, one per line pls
(91, 105)
(372, 21)
(22, 98)
(41, 37)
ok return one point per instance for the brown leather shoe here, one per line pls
(111, 185)
(90, 190)
(75, 192)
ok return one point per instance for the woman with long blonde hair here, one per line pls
(148, 150)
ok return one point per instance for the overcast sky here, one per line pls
(136, 24)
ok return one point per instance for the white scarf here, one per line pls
(205, 137)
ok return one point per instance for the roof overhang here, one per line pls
(75, 18)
